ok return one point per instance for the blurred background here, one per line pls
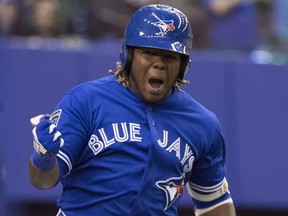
(239, 70)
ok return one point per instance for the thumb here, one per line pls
(37, 119)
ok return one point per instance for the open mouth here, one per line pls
(155, 83)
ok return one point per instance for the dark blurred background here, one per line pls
(239, 70)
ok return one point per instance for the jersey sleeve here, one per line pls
(73, 127)
(208, 185)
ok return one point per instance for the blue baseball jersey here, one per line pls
(125, 157)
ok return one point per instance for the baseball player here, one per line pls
(128, 143)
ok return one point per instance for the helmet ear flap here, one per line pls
(126, 57)
(185, 64)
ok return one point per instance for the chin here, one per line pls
(153, 99)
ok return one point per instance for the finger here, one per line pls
(39, 147)
(61, 142)
(35, 134)
(51, 128)
(36, 120)
(56, 136)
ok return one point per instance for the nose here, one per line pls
(159, 63)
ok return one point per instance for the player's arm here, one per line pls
(208, 186)
(44, 180)
(43, 166)
(226, 209)
(215, 201)
(221, 7)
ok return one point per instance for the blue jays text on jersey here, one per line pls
(124, 157)
(133, 134)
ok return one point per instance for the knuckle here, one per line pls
(51, 128)
(56, 136)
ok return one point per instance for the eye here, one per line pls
(172, 57)
(149, 52)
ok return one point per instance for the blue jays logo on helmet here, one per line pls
(164, 26)
(158, 26)
(173, 188)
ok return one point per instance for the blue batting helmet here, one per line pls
(161, 27)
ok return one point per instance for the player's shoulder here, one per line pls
(197, 108)
(94, 90)
(97, 83)
(108, 83)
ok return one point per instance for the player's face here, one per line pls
(153, 73)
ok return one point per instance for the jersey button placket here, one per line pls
(150, 164)
(150, 110)
(151, 122)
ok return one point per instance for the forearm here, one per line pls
(220, 7)
(43, 165)
(44, 180)
(227, 209)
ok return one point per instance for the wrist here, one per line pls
(42, 162)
